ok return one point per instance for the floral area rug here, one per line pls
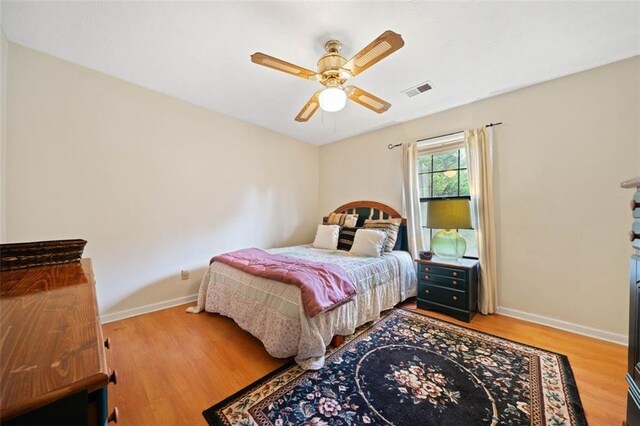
(410, 369)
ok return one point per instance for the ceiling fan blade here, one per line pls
(377, 50)
(309, 109)
(280, 65)
(366, 99)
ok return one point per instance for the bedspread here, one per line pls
(323, 286)
(274, 312)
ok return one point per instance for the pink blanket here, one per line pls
(323, 285)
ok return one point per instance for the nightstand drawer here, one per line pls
(443, 296)
(445, 272)
(429, 278)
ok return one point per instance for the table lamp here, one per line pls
(448, 216)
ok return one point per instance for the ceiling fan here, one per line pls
(334, 70)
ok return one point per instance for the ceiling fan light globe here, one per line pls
(332, 99)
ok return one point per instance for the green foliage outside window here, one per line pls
(443, 175)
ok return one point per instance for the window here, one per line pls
(442, 173)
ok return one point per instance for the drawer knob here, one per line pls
(634, 204)
(455, 274)
(633, 236)
(114, 416)
(426, 277)
(454, 282)
(455, 297)
(113, 377)
(107, 343)
(427, 268)
(426, 291)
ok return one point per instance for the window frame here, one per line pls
(437, 149)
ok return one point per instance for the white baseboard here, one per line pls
(115, 316)
(620, 339)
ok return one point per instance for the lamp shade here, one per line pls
(332, 99)
(449, 214)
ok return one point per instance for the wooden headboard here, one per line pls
(376, 210)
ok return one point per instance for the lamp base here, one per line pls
(448, 244)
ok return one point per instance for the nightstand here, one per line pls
(450, 287)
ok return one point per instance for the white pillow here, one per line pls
(327, 237)
(368, 242)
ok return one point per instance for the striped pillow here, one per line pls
(345, 241)
(390, 226)
(342, 219)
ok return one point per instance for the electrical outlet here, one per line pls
(184, 275)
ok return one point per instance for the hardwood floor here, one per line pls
(172, 365)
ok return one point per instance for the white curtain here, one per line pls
(479, 147)
(411, 198)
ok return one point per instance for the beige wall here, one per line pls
(154, 184)
(560, 156)
(4, 47)
(157, 185)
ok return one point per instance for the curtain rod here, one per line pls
(390, 146)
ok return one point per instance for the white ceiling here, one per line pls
(199, 52)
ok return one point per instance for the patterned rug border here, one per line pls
(411, 311)
(209, 412)
(569, 381)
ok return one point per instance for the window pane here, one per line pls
(424, 163)
(472, 243)
(423, 214)
(443, 179)
(424, 184)
(445, 160)
(445, 186)
(426, 237)
(464, 183)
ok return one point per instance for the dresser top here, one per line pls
(50, 336)
(631, 183)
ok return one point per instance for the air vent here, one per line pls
(416, 90)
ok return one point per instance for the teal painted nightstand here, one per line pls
(450, 287)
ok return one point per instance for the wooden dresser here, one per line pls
(633, 374)
(53, 364)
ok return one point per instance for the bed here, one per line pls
(273, 311)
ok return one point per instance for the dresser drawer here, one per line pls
(442, 271)
(443, 296)
(429, 278)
